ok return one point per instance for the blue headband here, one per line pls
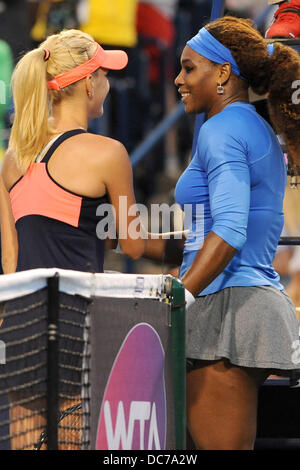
(207, 46)
(270, 48)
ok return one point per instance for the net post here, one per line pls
(179, 361)
(52, 363)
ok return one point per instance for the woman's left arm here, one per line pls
(209, 262)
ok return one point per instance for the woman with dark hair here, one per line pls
(242, 326)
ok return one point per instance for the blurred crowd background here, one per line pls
(153, 33)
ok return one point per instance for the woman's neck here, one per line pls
(67, 116)
(226, 100)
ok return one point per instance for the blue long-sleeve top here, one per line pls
(234, 187)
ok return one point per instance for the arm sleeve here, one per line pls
(227, 169)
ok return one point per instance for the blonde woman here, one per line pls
(50, 194)
(55, 175)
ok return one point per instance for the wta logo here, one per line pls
(133, 411)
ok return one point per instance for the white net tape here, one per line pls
(84, 284)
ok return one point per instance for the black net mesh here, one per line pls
(23, 376)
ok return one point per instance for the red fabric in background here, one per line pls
(153, 23)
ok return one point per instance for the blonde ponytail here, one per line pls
(30, 94)
(32, 100)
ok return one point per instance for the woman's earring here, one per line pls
(220, 89)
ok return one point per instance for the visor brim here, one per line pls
(114, 59)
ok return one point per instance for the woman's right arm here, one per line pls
(9, 239)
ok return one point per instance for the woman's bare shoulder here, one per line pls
(108, 149)
(10, 171)
(101, 141)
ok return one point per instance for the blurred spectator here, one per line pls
(53, 16)
(6, 65)
(14, 25)
(155, 25)
(286, 22)
(156, 29)
(110, 22)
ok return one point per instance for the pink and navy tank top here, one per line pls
(56, 227)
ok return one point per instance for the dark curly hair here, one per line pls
(273, 75)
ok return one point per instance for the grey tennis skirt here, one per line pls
(250, 326)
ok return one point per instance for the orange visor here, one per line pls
(107, 59)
